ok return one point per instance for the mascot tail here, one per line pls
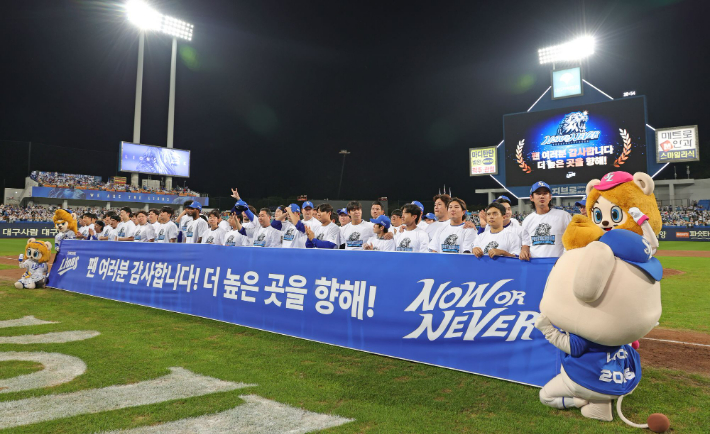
(656, 422)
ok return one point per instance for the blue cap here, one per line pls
(295, 207)
(634, 249)
(307, 203)
(240, 206)
(343, 211)
(538, 185)
(430, 216)
(582, 202)
(195, 205)
(504, 198)
(382, 220)
(419, 204)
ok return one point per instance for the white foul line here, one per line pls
(677, 342)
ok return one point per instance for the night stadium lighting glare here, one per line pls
(570, 51)
(147, 18)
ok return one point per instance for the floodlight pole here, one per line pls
(139, 94)
(171, 107)
(343, 153)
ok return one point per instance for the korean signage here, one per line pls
(457, 311)
(482, 161)
(27, 230)
(680, 233)
(677, 144)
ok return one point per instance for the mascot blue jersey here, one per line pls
(608, 370)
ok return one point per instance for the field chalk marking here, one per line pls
(58, 369)
(677, 342)
(50, 338)
(24, 321)
(179, 384)
(257, 416)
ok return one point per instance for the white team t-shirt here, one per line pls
(434, 227)
(182, 225)
(195, 230)
(543, 233)
(354, 236)
(313, 223)
(452, 239)
(214, 236)
(144, 233)
(381, 244)
(331, 233)
(156, 226)
(225, 226)
(125, 229)
(234, 238)
(84, 230)
(507, 240)
(166, 232)
(266, 237)
(291, 237)
(422, 224)
(416, 240)
(106, 231)
(112, 234)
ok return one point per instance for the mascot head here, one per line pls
(64, 221)
(609, 201)
(38, 251)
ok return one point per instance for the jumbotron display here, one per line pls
(154, 160)
(575, 144)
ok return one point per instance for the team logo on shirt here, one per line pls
(210, 240)
(259, 241)
(405, 245)
(230, 241)
(354, 240)
(290, 234)
(450, 245)
(137, 236)
(542, 236)
(319, 237)
(122, 232)
(161, 234)
(491, 245)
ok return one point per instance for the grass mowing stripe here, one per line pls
(380, 393)
(684, 245)
(685, 296)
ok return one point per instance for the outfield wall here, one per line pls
(454, 311)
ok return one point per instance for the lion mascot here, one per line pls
(603, 293)
(34, 261)
(66, 225)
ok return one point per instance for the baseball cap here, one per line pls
(504, 198)
(419, 204)
(295, 207)
(195, 205)
(612, 179)
(581, 202)
(538, 185)
(382, 220)
(307, 203)
(240, 206)
(634, 249)
(430, 216)
(343, 211)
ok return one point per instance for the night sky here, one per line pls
(268, 92)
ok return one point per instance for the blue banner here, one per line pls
(682, 233)
(114, 196)
(455, 311)
(28, 230)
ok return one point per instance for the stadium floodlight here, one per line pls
(147, 18)
(576, 49)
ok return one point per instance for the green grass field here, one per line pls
(382, 394)
(685, 245)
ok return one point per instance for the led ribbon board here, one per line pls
(573, 145)
(154, 160)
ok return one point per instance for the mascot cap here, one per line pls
(430, 216)
(342, 211)
(634, 249)
(538, 185)
(612, 179)
(295, 208)
(382, 220)
(419, 204)
(308, 203)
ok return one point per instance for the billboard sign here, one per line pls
(571, 145)
(482, 161)
(154, 160)
(567, 83)
(676, 145)
(114, 196)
